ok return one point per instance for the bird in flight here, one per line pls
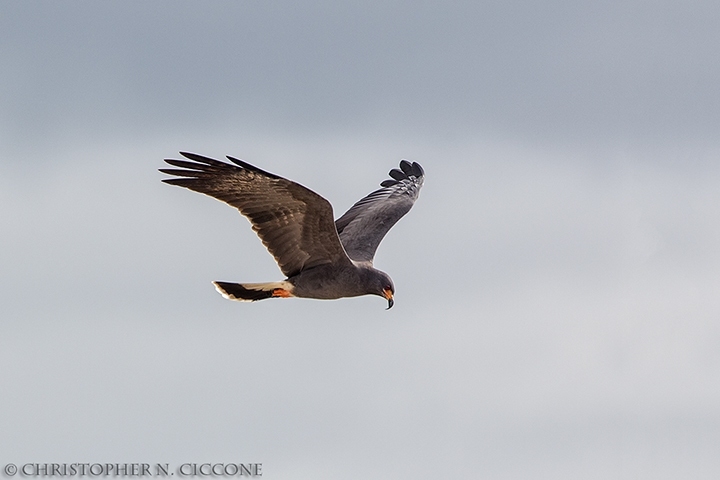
(320, 258)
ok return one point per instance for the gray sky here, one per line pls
(556, 312)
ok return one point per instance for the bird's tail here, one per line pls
(250, 292)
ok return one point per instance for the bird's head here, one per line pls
(385, 288)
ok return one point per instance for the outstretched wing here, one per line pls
(363, 227)
(294, 223)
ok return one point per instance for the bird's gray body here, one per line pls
(321, 258)
(332, 281)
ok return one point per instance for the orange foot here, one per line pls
(281, 292)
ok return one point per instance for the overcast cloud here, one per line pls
(557, 309)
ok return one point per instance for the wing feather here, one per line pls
(294, 223)
(366, 223)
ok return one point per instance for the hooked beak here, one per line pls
(387, 293)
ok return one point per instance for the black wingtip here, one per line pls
(405, 171)
(250, 167)
(397, 174)
(202, 164)
(417, 170)
(406, 167)
(240, 163)
(198, 158)
(180, 182)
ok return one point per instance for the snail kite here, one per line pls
(320, 258)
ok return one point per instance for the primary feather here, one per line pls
(365, 224)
